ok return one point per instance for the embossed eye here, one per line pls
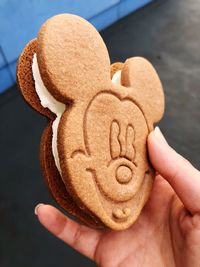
(122, 143)
(130, 138)
(122, 146)
(114, 140)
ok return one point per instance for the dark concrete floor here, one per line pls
(167, 33)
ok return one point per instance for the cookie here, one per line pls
(93, 152)
(52, 176)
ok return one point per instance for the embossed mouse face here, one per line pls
(102, 133)
(116, 133)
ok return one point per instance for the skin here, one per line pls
(167, 233)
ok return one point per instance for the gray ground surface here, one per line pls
(167, 33)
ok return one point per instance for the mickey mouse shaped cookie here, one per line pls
(94, 149)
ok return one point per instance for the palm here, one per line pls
(150, 241)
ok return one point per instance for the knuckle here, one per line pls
(176, 175)
(77, 236)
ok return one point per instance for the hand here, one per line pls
(167, 233)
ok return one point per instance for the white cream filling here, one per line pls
(117, 77)
(48, 101)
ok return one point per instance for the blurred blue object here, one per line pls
(106, 18)
(21, 20)
(5, 79)
(127, 6)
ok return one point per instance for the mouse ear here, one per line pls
(72, 57)
(140, 75)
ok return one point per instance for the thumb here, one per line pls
(181, 175)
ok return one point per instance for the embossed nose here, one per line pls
(124, 174)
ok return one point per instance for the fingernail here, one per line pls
(37, 207)
(159, 136)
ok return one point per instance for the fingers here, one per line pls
(80, 237)
(182, 176)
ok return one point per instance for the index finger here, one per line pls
(181, 175)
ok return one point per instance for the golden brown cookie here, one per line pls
(51, 173)
(93, 151)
